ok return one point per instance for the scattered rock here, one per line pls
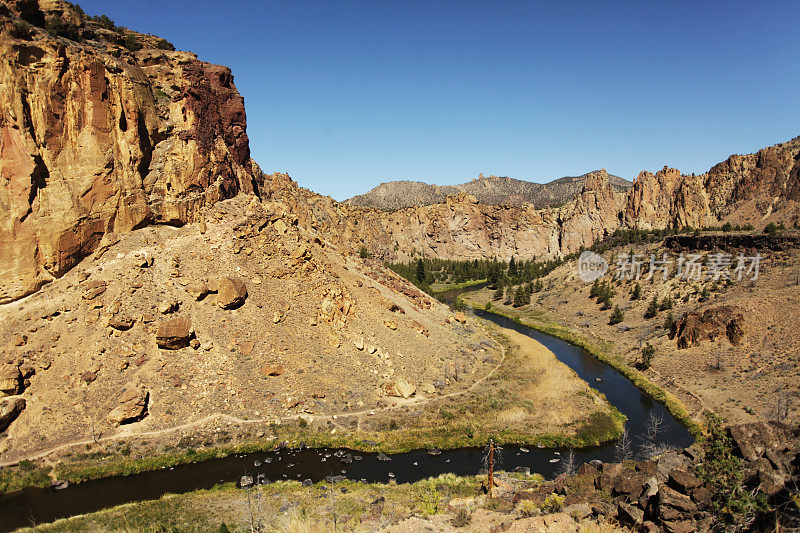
(132, 406)
(142, 259)
(278, 316)
(389, 324)
(400, 388)
(10, 380)
(94, 289)
(168, 306)
(197, 289)
(121, 321)
(272, 370)
(359, 343)
(174, 333)
(10, 408)
(231, 292)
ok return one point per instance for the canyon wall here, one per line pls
(98, 136)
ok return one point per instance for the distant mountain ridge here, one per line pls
(488, 190)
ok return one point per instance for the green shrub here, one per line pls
(637, 292)
(552, 504)
(58, 27)
(669, 322)
(725, 473)
(428, 501)
(131, 42)
(617, 316)
(20, 30)
(527, 508)
(105, 22)
(652, 309)
(648, 353)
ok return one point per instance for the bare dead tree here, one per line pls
(492, 456)
(568, 465)
(782, 406)
(654, 427)
(624, 448)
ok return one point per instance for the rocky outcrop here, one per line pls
(400, 388)
(97, 138)
(753, 189)
(671, 492)
(711, 324)
(132, 406)
(10, 408)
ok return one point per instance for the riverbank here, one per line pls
(439, 288)
(529, 398)
(602, 350)
(290, 506)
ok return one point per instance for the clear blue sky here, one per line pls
(345, 95)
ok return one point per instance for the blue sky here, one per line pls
(346, 95)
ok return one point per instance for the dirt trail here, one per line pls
(223, 416)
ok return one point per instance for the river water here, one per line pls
(35, 506)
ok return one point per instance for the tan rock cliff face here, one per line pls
(752, 189)
(95, 138)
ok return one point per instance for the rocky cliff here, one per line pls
(752, 189)
(488, 190)
(103, 129)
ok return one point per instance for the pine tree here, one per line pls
(669, 322)
(637, 292)
(652, 309)
(512, 269)
(498, 294)
(420, 271)
(594, 292)
(616, 316)
(520, 297)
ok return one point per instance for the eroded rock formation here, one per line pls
(97, 138)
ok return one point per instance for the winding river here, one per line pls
(35, 505)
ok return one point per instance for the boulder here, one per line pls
(231, 292)
(272, 370)
(399, 387)
(10, 408)
(197, 289)
(132, 406)
(683, 480)
(174, 333)
(631, 514)
(670, 498)
(754, 439)
(121, 321)
(93, 289)
(10, 380)
(771, 482)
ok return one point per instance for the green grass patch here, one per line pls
(603, 351)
